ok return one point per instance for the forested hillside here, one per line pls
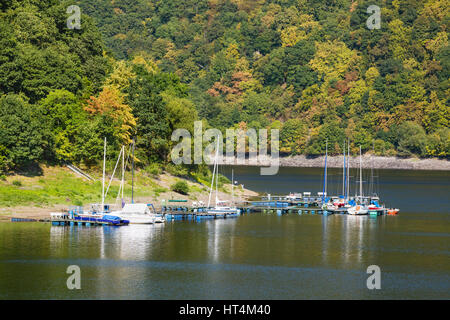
(311, 68)
(138, 67)
(61, 93)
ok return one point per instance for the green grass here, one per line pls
(58, 186)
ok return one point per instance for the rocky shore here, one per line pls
(368, 161)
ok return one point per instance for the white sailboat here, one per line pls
(97, 210)
(326, 204)
(136, 213)
(220, 208)
(359, 208)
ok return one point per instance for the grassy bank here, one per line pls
(56, 188)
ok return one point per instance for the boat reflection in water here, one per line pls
(135, 242)
(359, 234)
(350, 235)
(220, 238)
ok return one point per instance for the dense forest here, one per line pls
(311, 68)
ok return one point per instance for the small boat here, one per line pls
(392, 211)
(222, 210)
(358, 210)
(159, 218)
(339, 203)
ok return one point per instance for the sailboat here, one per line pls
(99, 209)
(136, 213)
(220, 209)
(341, 201)
(326, 206)
(359, 208)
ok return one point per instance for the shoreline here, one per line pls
(43, 212)
(146, 193)
(368, 161)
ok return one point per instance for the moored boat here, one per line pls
(392, 211)
(220, 209)
(358, 210)
(136, 213)
(359, 207)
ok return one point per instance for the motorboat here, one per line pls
(392, 211)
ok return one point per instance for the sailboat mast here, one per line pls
(103, 178)
(371, 191)
(232, 186)
(123, 172)
(348, 169)
(325, 173)
(214, 172)
(326, 168)
(360, 174)
(132, 175)
(217, 171)
(212, 184)
(343, 173)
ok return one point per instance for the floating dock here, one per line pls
(71, 220)
(198, 214)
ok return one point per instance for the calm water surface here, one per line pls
(256, 256)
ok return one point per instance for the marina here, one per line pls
(282, 206)
(257, 255)
(179, 209)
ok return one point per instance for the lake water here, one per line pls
(255, 256)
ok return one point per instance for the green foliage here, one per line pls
(411, 139)
(154, 169)
(151, 109)
(21, 135)
(292, 137)
(63, 116)
(177, 170)
(181, 187)
(312, 69)
(39, 53)
(267, 61)
(223, 179)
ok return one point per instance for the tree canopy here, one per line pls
(139, 68)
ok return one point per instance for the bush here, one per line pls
(159, 190)
(153, 169)
(223, 179)
(411, 139)
(177, 170)
(17, 183)
(180, 187)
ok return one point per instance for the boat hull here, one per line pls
(357, 211)
(137, 219)
(222, 211)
